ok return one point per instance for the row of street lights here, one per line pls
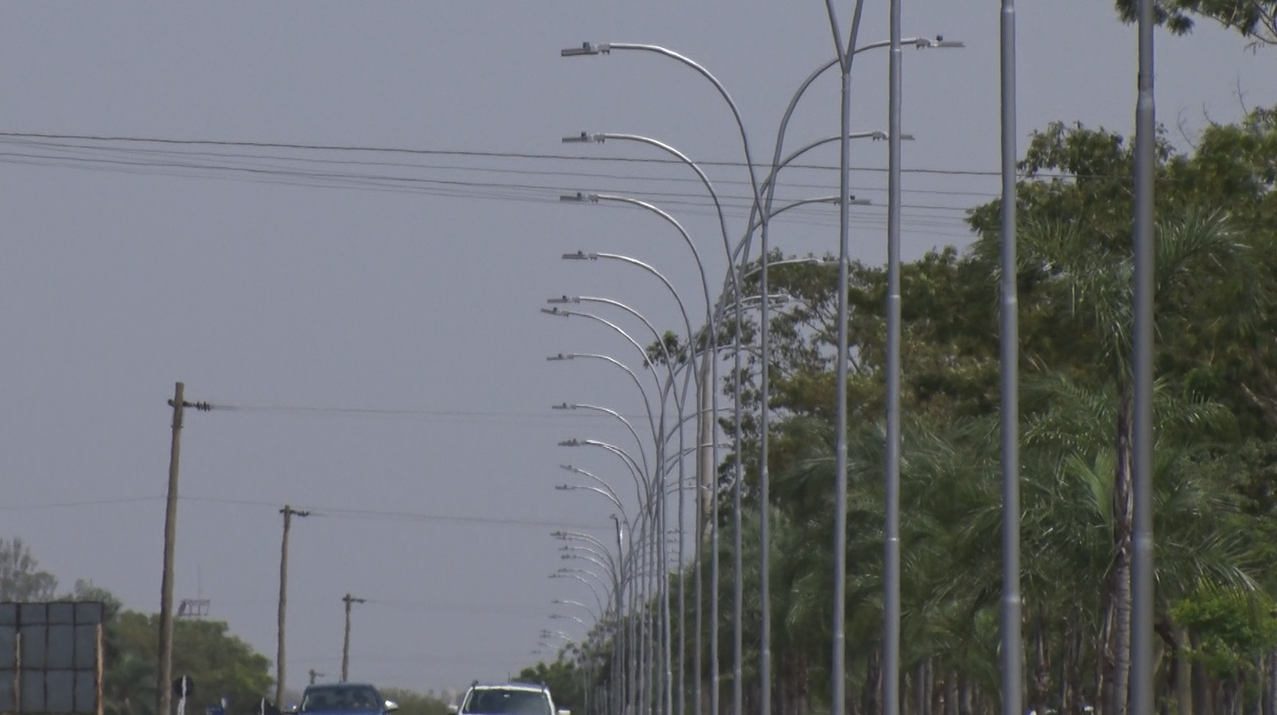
(1142, 542)
(737, 256)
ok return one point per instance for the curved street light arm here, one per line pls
(578, 619)
(578, 604)
(647, 404)
(656, 334)
(686, 239)
(577, 577)
(618, 329)
(615, 414)
(601, 563)
(601, 553)
(607, 489)
(740, 124)
(641, 481)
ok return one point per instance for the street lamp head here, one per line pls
(579, 197)
(563, 406)
(574, 442)
(561, 356)
(939, 42)
(586, 48)
(556, 311)
(585, 138)
(580, 256)
(562, 300)
(563, 488)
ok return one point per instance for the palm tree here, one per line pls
(1077, 282)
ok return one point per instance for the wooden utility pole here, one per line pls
(345, 646)
(288, 513)
(164, 679)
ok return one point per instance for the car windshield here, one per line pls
(340, 697)
(503, 701)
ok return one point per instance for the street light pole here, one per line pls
(1142, 574)
(838, 666)
(891, 462)
(1012, 648)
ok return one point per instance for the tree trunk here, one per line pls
(1203, 697)
(1123, 508)
(1040, 683)
(927, 700)
(1270, 686)
(872, 695)
(965, 696)
(1067, 660)
(1104, 651)
(1183, 674)
(950, 693)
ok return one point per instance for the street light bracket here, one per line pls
(579, 197)
(585, 138)
(587, 48)
(939, 42)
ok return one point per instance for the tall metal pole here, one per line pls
(164, 678)
(345, 644)
(764, 489)
(838, 659)
(1012, 647)
(618, 647)
(891, 522)
(288, 513)
(1142, 597)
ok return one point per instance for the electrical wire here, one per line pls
(384, 515)
(83, 503)
(138, 155)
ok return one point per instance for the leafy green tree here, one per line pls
(221, 664)
(20, 576)
(562, 677)
(1254, 19)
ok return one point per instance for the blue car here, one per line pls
(344, 698)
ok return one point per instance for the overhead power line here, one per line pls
(282, 164)
(445, 152)
(384, 515)
(320, 511)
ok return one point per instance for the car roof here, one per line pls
(508, 686)
(335, 686)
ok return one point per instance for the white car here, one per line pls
(507, 699)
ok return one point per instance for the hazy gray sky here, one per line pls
(290, 278)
